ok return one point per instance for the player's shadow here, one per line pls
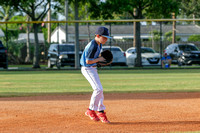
(158, 123)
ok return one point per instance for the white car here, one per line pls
(119, 56)
(148, 55)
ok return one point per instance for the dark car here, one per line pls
(61, 55)
(183, 54)
(3, 56)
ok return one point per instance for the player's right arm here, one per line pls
(95, 60)
(90, 56)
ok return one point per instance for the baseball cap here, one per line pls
(103, 31)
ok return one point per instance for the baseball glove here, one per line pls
(107, 55)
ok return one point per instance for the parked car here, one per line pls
(148, 55)
(3, 56)
(119, 56)
(61, 55)
(183, 54)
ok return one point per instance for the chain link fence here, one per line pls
(123, 36)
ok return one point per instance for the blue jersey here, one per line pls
(166, 58)
(91, 52)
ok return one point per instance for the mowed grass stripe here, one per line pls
(22, 83)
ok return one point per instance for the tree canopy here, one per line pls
(144, 8)
(190, 8)
(108, 9)
(138, 9)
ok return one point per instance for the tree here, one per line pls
(6, 12)
(190, 8)
(28, 55)
(155, 35)
(76, 4)
(168, 36)
(13, 30)
(84, 6)
(143, 8)
(194, 38)
(12, 34)
(36, 10)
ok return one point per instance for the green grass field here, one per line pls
(28, 83)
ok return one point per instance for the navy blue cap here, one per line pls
(103, 31)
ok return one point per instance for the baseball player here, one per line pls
(88, 61)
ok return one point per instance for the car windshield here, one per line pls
(188, 48)
(144, 50)
(131, 50)
(148, 50)
(63, 48)
(2, 47)
(112, 49)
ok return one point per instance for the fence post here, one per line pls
(161, 51)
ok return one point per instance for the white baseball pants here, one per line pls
(96, 102)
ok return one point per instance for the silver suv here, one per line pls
(183, 54)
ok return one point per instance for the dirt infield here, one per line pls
(133, 112)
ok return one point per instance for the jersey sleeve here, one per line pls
(91, 52)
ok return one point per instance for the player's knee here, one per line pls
(98, 90)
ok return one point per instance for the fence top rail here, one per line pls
(102, 21)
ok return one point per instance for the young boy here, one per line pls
(88, 61)
(166, 61)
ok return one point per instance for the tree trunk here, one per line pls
(174, 29)
(36, 47)
(137, 13)
(88, 28)
(138, 45)
(88, 24)
(134, 32)
(49, 24)
(27, 60)
(66, 18)
(77, 64)
(134, 27)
